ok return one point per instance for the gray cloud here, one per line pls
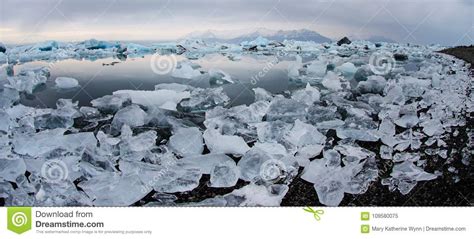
(420, 21)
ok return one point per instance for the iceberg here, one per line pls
(187, 142)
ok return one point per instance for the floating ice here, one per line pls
(66, 82)
(174, 87)
(262, 94)
(112, 103)
(219, 77)
(28, 81)
(166, 99)
(294, 68)
(133, 48)
(186, 71)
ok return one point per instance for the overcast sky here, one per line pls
(448, 22)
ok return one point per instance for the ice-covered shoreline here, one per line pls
(135, 143)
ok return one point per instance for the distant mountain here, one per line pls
(238, 37)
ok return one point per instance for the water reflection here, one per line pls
(103, 76)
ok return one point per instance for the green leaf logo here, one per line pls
(19, 219)
(316, 213)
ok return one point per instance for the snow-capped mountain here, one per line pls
(275, 35)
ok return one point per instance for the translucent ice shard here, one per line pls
(358, 129)
(11, 169)
(224, 175)
(407, 121)
(347, 69)
(112, 189)
(187, 141)
(134, 148)
(49, 140)
(432, 127)
(294, 68)
(187, 181)
(132, 116)
(112, 103)
(228, 144)
(374, 84)
(251, 163)
(317, 69)
(308, 96)
(303, 134)
(332, 81)
(286, 110)
(26, 82)
(262, 95)
(203, 99)
(405, 177)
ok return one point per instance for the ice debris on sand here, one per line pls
(343, 119)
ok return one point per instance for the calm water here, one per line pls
(97, 79)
